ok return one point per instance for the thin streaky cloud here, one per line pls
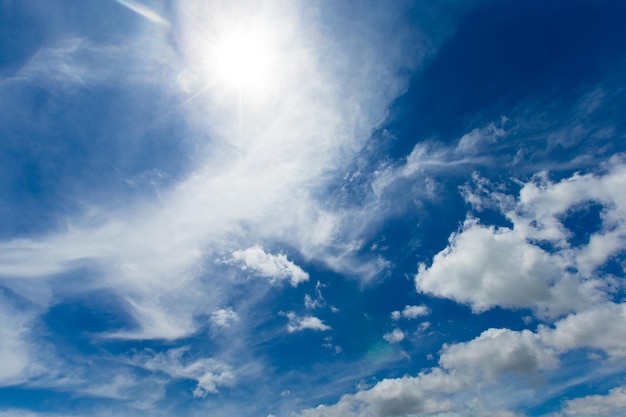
(144, 11)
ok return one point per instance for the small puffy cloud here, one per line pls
(224, 317)
(275, 267)
(209, 373)
(329, 344)
(297, 323)
(410, 312)
(396, 336)
(499, 351)
(611, 405)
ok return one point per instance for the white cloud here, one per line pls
(311, 304)
(318, 302)
(209, 373)
(423, 394)
(611, 405)
(395, 336)
(601, 327)
(16, 412)
(475, 141)
(274, 267)
(484, 266)
(499, 351)
(329, 345)
(13, 348)
(254, 181)
(468, 380)
(297, 323)
(224, 317)
(487, 266)
(22, 357)
(411, 312)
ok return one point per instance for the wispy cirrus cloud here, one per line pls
(209, 373)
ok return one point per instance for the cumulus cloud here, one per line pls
(484, 267)
(297, 323)
(601, 327)
(411, 312)
(486, 360)
(611, 405)
(274, 267)
(533, 264)
(499, 351)
(423, 394)
(395, 336)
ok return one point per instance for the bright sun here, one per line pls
(244, 60)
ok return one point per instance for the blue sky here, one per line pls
(312, 208)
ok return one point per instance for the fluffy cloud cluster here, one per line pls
(521, 357)
(537, 263)
(534, 264)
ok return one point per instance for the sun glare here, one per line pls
(244, 60)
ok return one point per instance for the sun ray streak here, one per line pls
(144, 11)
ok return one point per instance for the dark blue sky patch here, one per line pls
(583, 221)
(82, 320)
(504, 52)
(34, 399)
(70, 152)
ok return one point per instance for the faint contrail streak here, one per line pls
(144, 11)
